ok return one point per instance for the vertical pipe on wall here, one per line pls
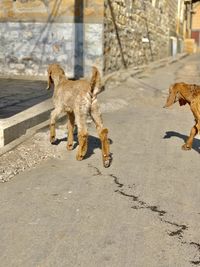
(78, 38)
(117, 33)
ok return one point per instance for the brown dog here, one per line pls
(187, 94)
(78, 99)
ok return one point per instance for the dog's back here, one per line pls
(75, 93)
(93, 86)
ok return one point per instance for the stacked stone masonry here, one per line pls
(27, 48)
(143, 28)
(35, 33)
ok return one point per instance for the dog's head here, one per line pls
(174, 95)
(54, 72)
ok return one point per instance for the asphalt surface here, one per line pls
(16, 95)
(143, 211)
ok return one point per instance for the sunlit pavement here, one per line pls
(143, 211)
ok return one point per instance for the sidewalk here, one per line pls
(135, 71)
(24, 104)
(17, 95)
(148, 87)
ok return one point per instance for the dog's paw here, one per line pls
(107, 161)
(186, 147)
(79, 157)
(69, 146)
(52, 140)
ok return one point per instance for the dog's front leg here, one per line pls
(81, 116)
(53, 117)
(188, 144)
(52, 133)
(70, 127)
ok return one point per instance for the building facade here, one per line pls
(35, 33)
(137, 32)
(110, 34)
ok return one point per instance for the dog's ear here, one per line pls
(49, 80)
(172, 96)
(182, 102)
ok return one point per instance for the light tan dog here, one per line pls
(187, 94)
(78, 99)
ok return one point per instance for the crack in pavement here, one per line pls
(179, 233)
(195, 262)
(116, 180)
(97, 171)
(140, 204)
(197, 245)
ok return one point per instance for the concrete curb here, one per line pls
(17, 125)
(29, 132)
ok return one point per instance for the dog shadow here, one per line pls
(93, 143)
(196, 142)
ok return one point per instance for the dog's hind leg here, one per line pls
(105, 147)
(102, 132)
(54, 115)
(82, 135)
(70, 127)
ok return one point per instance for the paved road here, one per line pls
(143, 211)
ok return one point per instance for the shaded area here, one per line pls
(93, 143)
(196, 142)
(18, 95)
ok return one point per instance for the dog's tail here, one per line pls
(95, 82)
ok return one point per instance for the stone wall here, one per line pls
(143, 27)
(27, 48)
(35, 33)
(81, 33)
